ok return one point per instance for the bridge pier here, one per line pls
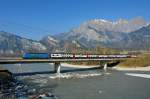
(57, 68)
(105, 67)
(19, 68)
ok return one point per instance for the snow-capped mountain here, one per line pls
(10, 44)
(50, 42)
(103, 32)
(120, 34)
(139, 39)
(120, 25)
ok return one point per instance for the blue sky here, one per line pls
(37, 18)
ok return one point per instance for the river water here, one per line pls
(75, 83)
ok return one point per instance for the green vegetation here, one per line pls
(142, 60)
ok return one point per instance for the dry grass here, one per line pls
(142, 60)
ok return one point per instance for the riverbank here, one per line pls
(5, 75)
(136, 68)
(120, 68)
(78, 66)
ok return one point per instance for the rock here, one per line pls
(5, 76)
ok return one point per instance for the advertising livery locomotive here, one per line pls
(71, 56)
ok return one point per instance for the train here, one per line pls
(72, 56)
(35, 56)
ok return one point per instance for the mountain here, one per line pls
(120, 25)
(102, 32)
(139, 39)
(50, 42)
(131, 34)
(56, 45)
(10, 44)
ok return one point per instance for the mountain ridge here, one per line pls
(102, 32)
(11, 43)
(90, 34)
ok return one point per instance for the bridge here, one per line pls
(57, 62)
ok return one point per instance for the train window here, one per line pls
(67, 55)
(80, 55)
(56, 55)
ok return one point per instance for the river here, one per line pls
(75, 83)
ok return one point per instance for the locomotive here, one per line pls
(72, 56)
(35, 56)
